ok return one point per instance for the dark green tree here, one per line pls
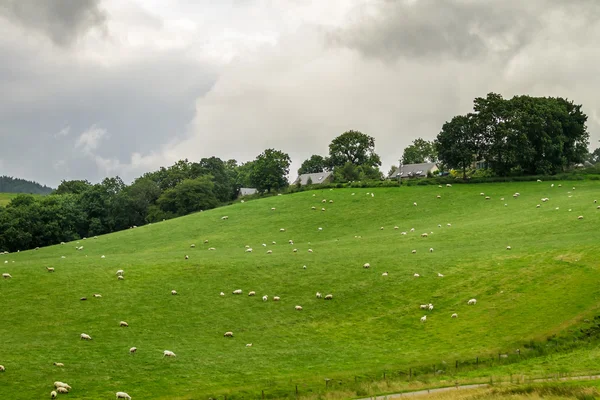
(420, 151)
(314, 164)
(353, 147)
(456, 144)
(189, 196)
(75, 187)
(270, 170)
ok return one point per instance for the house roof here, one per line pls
(316, 178)
(407, 170)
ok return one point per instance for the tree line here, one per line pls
(523, 135)
(9, 184)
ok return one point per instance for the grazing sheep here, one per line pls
(273, 208)
(508, 248)
(580, 217)
(414, 252)
(430, 307)
(472, 302)
(423, 306)
(61, 385)
(192, 245)
(2, 369)
(310, 250)
(120, 272)
(482, 194)
(53, 394)
(423, 234)
(424, 318)
(329, 297)
(367, 265)
(313, 208)
(324, 201)
(318, 295)
(85, 336)
(120, 277)
(62, 390)
(206, 241)
(487, 197)
(252, 293)
(448, 185)
(538, 206)
(123, 324)
(416, 275)
(123, 395)
(282, 230)
(211, 249)
(97, 295)
(132, 350)
(6, 275)
(330, 201)
(102, 256)
(173, 292)
(431, 249)
(295, 250)
(455, 315)
(412, 229)
(237, 291)
(83, 299)
(276, 298)
(221, 294)
(372, 194)
(384, 274)
(58, 364)
(265, 297)
(273, 242)
(440, 275)
(228, 334)
(168, 353)
(225, 217)
(449, 224)
(50, 269)
(249, 345)
(249, 250)
(298, 308)
(415, 204)
(439, 197)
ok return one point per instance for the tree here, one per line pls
(392, 170)
(313, 165)
(353, 147)
(189, 196)
(75, 187)
(594, 156)
(456, 144)
(270, 170)
(420, 151)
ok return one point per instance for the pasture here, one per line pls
(5, 198)
(547, 283)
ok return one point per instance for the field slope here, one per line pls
(5, 198)
(547, 283)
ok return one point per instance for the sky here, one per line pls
(97, 88)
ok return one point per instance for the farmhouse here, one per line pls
(247, 191)
(314, 179)
(414, 171)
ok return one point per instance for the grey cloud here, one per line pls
(63, 21)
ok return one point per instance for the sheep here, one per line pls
(123, 395)
(440, 275)
(367, 265)
(412, 229)
(323, 209)
(103, 256)
(417, 275)
(430, 307)
(83, 299)
(295, 250)
(57, 364)
(423, 306)
(310, 250)
(538, 206)
(6, 276)
(501, 198)
(192, 245)
(249, 250)
(384, 274)
(173, 292)
(97, 295)
(313, 208)
(276, 298)
(221, 294)
(455, 315)
(487, 197)
(252, 293)
(187, 257)
(448, 185)
(449, 224)
(206, 241)
(85, 336)
(439, 197)
(273, 242)
(120, 277)
(59, 384)
(120, 272)
(132, 350)
(431, 249)
(228, 334)
(62, 390)
(123, 324)
(50, 269)
(237, 291)
(580, 217)
(482, 194)
(225, 217)
(265, 298)
(264, 245)
(330, 201)
(415, 204)
(247, 246)
(2, 369)
(414, 252)
(211, 249)
(53, 394)
(298, 308)
(324, 201)
(403, 233)
(282, 230)
(273, 208)
(318, 295)
(372, 194)
(508, 248)
(424, 318)
(168, 353)
(472, 302)
(424, 235)
(329, 297)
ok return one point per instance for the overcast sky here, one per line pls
(95, 88)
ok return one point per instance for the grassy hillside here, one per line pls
(545, 284)
(5, 198)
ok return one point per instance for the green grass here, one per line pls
(546, 284)
(5, 198)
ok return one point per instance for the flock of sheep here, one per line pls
(61, 387)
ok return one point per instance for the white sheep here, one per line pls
(123, 395)
(430, 307)
(313, 208)
(211, 249)
(384, 274)
(221, 294)
(423, 234)
(412, 229)
(53, 394)
(173, 292)
(97, 295)
(295, 250)
(120, 277)
(168, 353)
(62, 390)
(132, 350)
(414, 252)
(403, 233)
(2, 369)
(455, 315)
(508, 248)
(440, 275)
(228, 334)
(487, 197)
(265, 298)
(192, 245)
(448, 185)
(59, 384)
(102, 256)
(276, 298)
(123, 324)
(323, 209)
(249, 345)
(249, 250)
(580, 217)
(237, 291)
(225, 217)
(273, 208)
(282, 230)
(472, 302)
(367, 265)
(85, 336)
(424, 318)
(318, 295)
(120, 272)
(431, 249)
(423, 306)
(482, 194)
(298, 308)
(415, 204)
(252, 293)
(58, 364)
(310, 250)
(6, 275)
(416, 275)
(329, 297)
(50, 269)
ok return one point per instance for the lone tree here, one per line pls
(313, 165)
(269, 170)
(456, 144)
(420, 151)
(353, 147)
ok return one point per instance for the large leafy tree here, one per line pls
(75, 187)
(312, 165)
(269, 170)
(457, 144)
(420, 151)
(189, 196)
(353, 147)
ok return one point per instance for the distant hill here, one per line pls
(15, 185)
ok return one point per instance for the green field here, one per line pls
(546, 284)
(5, 198)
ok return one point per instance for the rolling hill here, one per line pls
(548, 282)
